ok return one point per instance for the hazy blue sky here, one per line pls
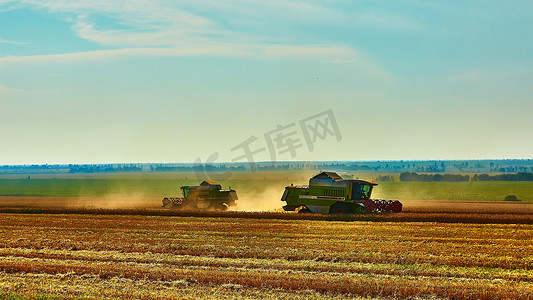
(173, 81)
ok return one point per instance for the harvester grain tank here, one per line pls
(328, 193)
(208, 195)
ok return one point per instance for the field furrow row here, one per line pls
(342, 283)
(276, 264)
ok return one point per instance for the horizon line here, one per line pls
(267, 162)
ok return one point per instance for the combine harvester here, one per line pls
(328, 193)
(208, 195)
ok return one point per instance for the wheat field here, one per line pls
(128, 256)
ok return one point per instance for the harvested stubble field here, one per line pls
(136, 256)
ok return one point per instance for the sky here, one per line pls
(221, 81)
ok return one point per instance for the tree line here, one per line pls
(520, 176)
(411, 176)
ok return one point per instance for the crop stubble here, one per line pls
(189, 257)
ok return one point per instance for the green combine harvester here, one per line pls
(208, 195)
(328, 193)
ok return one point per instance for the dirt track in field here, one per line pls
(481, 212)
(136, 202)
(79, 202)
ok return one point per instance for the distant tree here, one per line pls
(408, 176)
(520, 176)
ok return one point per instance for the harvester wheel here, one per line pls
(304, 210)
(224, 207)
(358, 209)
(167, 203)
(340, 208)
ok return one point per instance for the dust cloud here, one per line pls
(268, 199)
(115, 201)
(137, 201)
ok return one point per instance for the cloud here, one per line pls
(2, 41)
(4, 89)
(201, 49)
(140, 23)
(199, 28)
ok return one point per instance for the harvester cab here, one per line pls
(361, 190)
(327, 192)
